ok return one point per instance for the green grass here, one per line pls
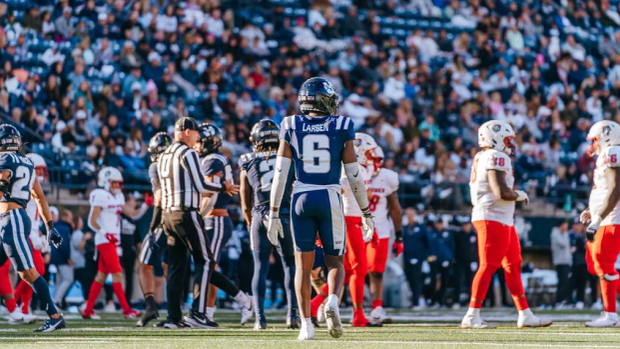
(115, 332)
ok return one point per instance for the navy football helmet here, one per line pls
(210, 139)
(317, 95)
(265, 134)
(10, 138)
(158, 144)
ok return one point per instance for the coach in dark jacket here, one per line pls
(465, 256)
(416, 252)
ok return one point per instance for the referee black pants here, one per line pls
(185, 231)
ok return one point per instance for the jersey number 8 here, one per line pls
(316, 155)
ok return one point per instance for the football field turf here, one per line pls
(424, 329)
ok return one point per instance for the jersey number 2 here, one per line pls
(316, 154)
(266, 174)
(21, 186)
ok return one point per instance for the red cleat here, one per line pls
(132, 314)
(364, 322)
(91, 315)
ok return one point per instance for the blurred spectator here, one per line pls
(416, 252)
(562, 261)
(61, 258)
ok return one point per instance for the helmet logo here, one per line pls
(328, 88)
(606, 130)
(497, 128)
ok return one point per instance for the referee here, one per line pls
(182, 186)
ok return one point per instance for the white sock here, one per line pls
(526, 312)
(306, 321)
(243, 299)
(473, 312)
(210, 312)
(332, 300)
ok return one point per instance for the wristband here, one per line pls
(366, 212)
(399, 235)
(49, 225)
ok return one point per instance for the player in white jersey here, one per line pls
(107, 204)
(494, 200)
(383, 202)
(603, 217)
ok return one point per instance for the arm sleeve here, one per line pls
(283, 166)
(356, 181)
(499, 161)
(192, 165)
(349, 127)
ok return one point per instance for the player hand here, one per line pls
(54, 237)
(231, 189)
(368, 226)
(522, 196)
(274, 228)
(585, 216)
(318, 242)
(37, 242)
(593, 227)
(398, 247)
(153, 242)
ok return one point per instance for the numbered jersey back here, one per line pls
(260, 167)
(487, 206)
(218, 166)
(22, 178)
(317, 144)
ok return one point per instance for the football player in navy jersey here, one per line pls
(154, 244)
(18, 184)
(257, 170)
(217, 169)
(318, 143)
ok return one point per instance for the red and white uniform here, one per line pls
(109, 236)
(110, 217)
(383, 184)
(487, 206)
(606, 245)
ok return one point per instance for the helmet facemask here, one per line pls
(509, 146)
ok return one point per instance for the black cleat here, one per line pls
(148, 315)
(199, 320)
(52, 325)
(315, 322)
(293, 322)
(161, 323)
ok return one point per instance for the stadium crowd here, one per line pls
(94, 80)
(99, 78)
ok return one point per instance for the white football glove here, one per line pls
(522, 196)
(37, 242)
(585, 216)
(274, 228)
(368, 226)
(593, 227)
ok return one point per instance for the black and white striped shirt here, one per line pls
(181, 179)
